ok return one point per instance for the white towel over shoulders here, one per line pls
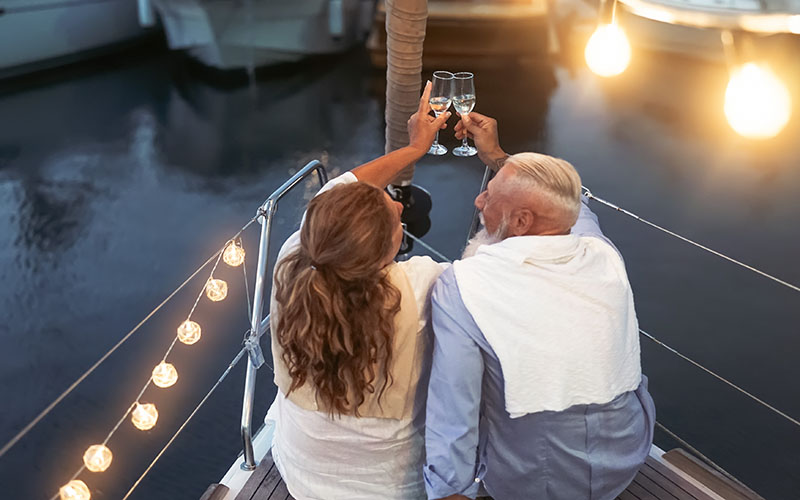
(558, 312)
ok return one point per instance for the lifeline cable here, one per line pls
(591, 196)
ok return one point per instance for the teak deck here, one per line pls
(656, 480)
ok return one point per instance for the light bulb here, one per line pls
(189, 332)
(74, 490)
(216, 290)
(165, 375)
(794, 24)
(233, 254)
(757, 103)
(97, 458)
(608, 52)
(144, 417)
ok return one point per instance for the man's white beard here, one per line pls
(482, 237)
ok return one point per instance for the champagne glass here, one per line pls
(463, 102)
(441, 95)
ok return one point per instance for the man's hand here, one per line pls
(422, 127)
(456, 497)
(483, 130)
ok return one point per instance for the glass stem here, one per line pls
(464, 143)
(436, 140)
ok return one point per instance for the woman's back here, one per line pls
(376, 449)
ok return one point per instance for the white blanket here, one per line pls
(558, 312)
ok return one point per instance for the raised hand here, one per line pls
(422, 127)
(483, 130)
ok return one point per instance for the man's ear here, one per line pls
(521, 222)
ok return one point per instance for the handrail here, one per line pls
(255, 358)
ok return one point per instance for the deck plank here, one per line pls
(270, 486)
(668, 483)
(677, 480)
(658, 487)
(264, 479)
(251, 486)
(627, 495)
(640, 491)
(715, 481)
(281, 492)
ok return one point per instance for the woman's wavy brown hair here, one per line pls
(336, 306)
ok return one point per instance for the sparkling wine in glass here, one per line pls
(441, 95)
(464, 102)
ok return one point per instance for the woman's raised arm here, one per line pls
(422, 129)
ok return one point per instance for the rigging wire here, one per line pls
(25, 430)
(591, 196)
(427, 247)
(721, 378)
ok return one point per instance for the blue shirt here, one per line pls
(584, 452)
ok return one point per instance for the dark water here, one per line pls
(118, 179)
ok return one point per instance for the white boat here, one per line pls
(231, 35)
(37, 34)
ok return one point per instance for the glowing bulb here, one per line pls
(216, 290)
(757, 104)
(165, 375)
(794, 24)
(144, 417)
(608, 52)
(189, 332)
(233, 254)
(74, 490)
(97, 458)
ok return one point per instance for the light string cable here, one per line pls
(218, 256)
(591, 196)
(202, 402)
(25, 430)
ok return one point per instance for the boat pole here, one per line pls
(267, 210)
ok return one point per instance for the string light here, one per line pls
(97, 458)
(165, 375)
(233, 254)
(216, 290)
(189, 332)
(608, 52)
(757, 103)
(144, 417)
(74, 490)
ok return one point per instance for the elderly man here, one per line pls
(536, 388)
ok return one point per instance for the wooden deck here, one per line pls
(672, 477)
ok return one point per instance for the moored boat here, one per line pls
(45, 34)
(236, 35)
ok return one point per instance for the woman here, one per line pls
(350, 339)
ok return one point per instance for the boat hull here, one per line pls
(232, 35)
(43, 33)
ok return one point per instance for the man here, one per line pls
(536, 388)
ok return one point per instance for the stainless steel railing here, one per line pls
(259, 324)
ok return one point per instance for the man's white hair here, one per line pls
(553, 177)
